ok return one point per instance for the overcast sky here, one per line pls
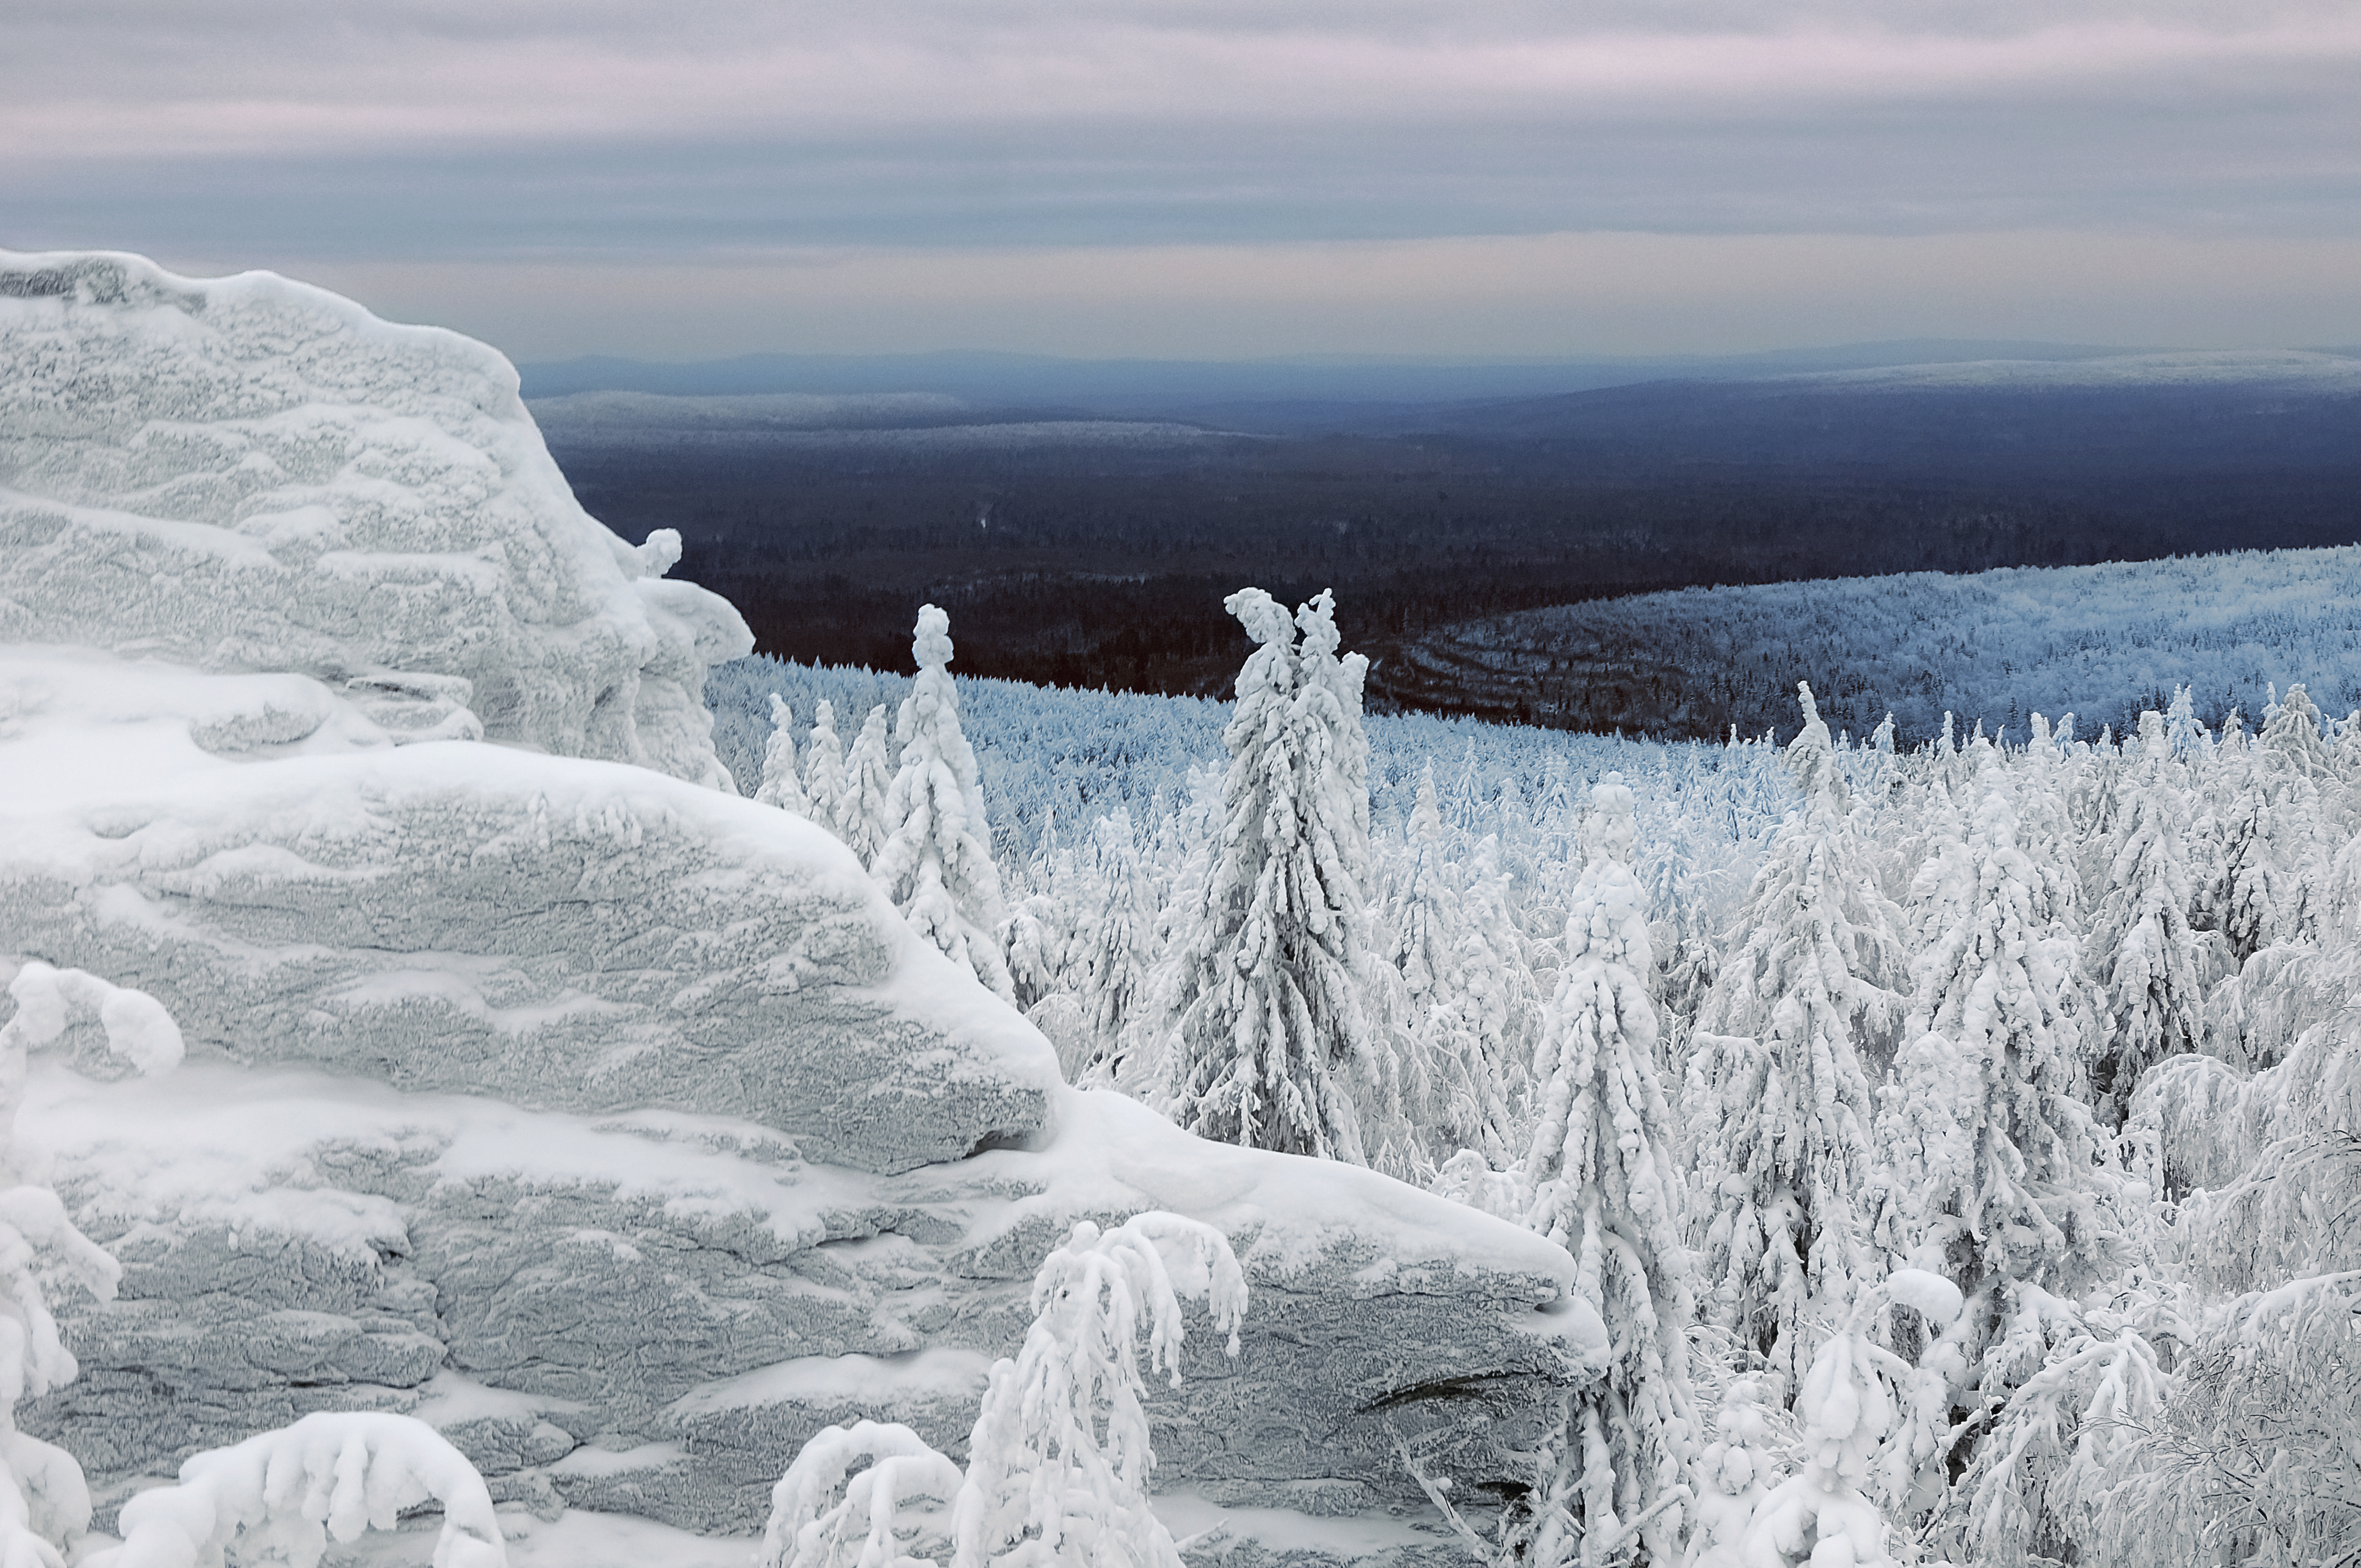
(1218, 180)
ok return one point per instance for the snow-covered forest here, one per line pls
(1992, 647)
(1958, 1140)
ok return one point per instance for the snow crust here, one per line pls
(250, 474)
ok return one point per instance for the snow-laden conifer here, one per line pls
(936, 861)
(2263, 854)
(869, 1496)
(1993, 1172)
(1060, 1458)
(1115, 942)
(1845, 1409)
(868, 784)
(1605, 1186)
(1461, 968)
(2035, 1485)
(782, 784)
(824, 775)
(1734, 1472)
(1776, 1105)
(1271, 1039)
(2154, 993)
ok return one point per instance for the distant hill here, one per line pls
(1092, 541)
(1348, 392)
(1994, 647)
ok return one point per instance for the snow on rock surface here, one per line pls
(618, 1127)
(650, 1313)
(251, 473)
(555, 931)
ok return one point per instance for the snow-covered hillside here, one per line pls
(2289, 369)
(2010, 1084)
(2101, 641)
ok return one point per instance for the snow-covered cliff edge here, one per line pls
(250, 473)
(616, 1124)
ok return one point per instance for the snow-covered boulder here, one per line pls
(250, 474)
(553, 931)
(650, 1313)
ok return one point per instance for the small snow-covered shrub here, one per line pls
(44, 1503)
(824, 1513)
(1060, 1458)
(284, 1495)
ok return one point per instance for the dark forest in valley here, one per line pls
(1102, 558)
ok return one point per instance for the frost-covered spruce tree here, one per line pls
(1993, 1172)
(1271, 1040)
(1116, 943)
(782, 785)
(935, 863)
(1604, 1187)
(824, 777)
(1847, 1407)
(1462, 1001)
(869, 782)
(44, 1503)
(1776, 1107)
(2154, 992)
(2267, 848)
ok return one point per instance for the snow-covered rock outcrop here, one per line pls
(251, 473)
(616, 1126)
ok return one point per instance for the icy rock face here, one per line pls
(650, 1313)
(251, 473)
(556, 932)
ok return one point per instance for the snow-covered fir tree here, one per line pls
(1993, 1174)
(1777, 1108)
(1606, 1186)
(868, 785)
(1061, 1454)
(2154, 990)
(824, 775)
(1270, 1044)
(936, 861)
(1467, 998)
(1116, 943)
(782, 785)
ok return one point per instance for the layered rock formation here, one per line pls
(250, 473)
(616, 1124)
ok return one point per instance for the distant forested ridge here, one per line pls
(1073, 548)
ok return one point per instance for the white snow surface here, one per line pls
(250, 473)
(467, 916)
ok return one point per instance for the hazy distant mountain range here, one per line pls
(1366, 396)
